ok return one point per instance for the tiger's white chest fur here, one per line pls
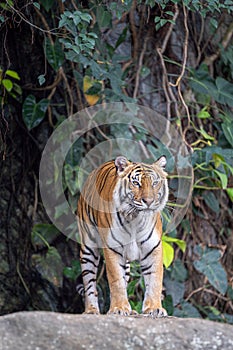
(131, 237)
(131, 251)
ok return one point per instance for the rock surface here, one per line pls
(50, 331)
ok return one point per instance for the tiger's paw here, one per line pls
(155, 313)
(121, 310)
(91, 311)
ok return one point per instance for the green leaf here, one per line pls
(205, 135)
(122, 37)
(230, 193)
(41, 79)
(43, 235)
(103, 17)
(186, 310)
(230, 292)
(8, 85)
(218, 160)
(210, 266)
(160, 22)
(37, 5)
(136, 305)
(228, 131)
(168, 305)
(223, 178)
(12, 74)
(181, 244)
(170, 13)
(157, 19)
(228, 318)
(61, 209)
(201, 81)
(179, 272)
(85, 17)
(131, 287)
(211, 201)
(203, 114)
(74, 178)
(54, 53)
(34, 113)
(47, 4)
(214, 22)
(168, 254)
(145, 71)
(225, 92)
(175, 289)
(50, 266)
(74, 271)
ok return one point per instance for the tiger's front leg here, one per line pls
(153, 277)
(115, 266)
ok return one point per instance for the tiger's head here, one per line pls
(142, 186)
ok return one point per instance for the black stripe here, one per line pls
(90, 252)
(122, 224)
(86, 260)
(92, 280)
(90, 235)
(115, 239)
(151, 251)
(149, 236)
(88, 288)
(90, 293)
(123, 266)
(119, 218)
(104, 178)
(143, 269)
(91, 217)
(86, 272)
(115, 251)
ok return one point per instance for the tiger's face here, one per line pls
(144, 186)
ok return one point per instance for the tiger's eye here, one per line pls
(135, 183)
(155, 183)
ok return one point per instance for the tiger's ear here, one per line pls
(161, 162)
(121, 163)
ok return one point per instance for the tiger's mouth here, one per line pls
(144, 206)
(134, 206)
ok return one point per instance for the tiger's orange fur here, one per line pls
(119, 210)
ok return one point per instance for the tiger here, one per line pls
(119, 210)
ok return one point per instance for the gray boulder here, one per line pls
(50, 331)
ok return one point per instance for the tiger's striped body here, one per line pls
(119, 211)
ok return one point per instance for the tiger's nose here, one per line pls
(148, 200)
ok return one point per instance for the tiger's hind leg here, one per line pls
(89, 263)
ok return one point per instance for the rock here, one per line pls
(49, 331)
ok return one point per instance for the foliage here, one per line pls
(9, 86)
(33, 112)
(209, 265)
(49, 265)
(168, 250)
(89, 69)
